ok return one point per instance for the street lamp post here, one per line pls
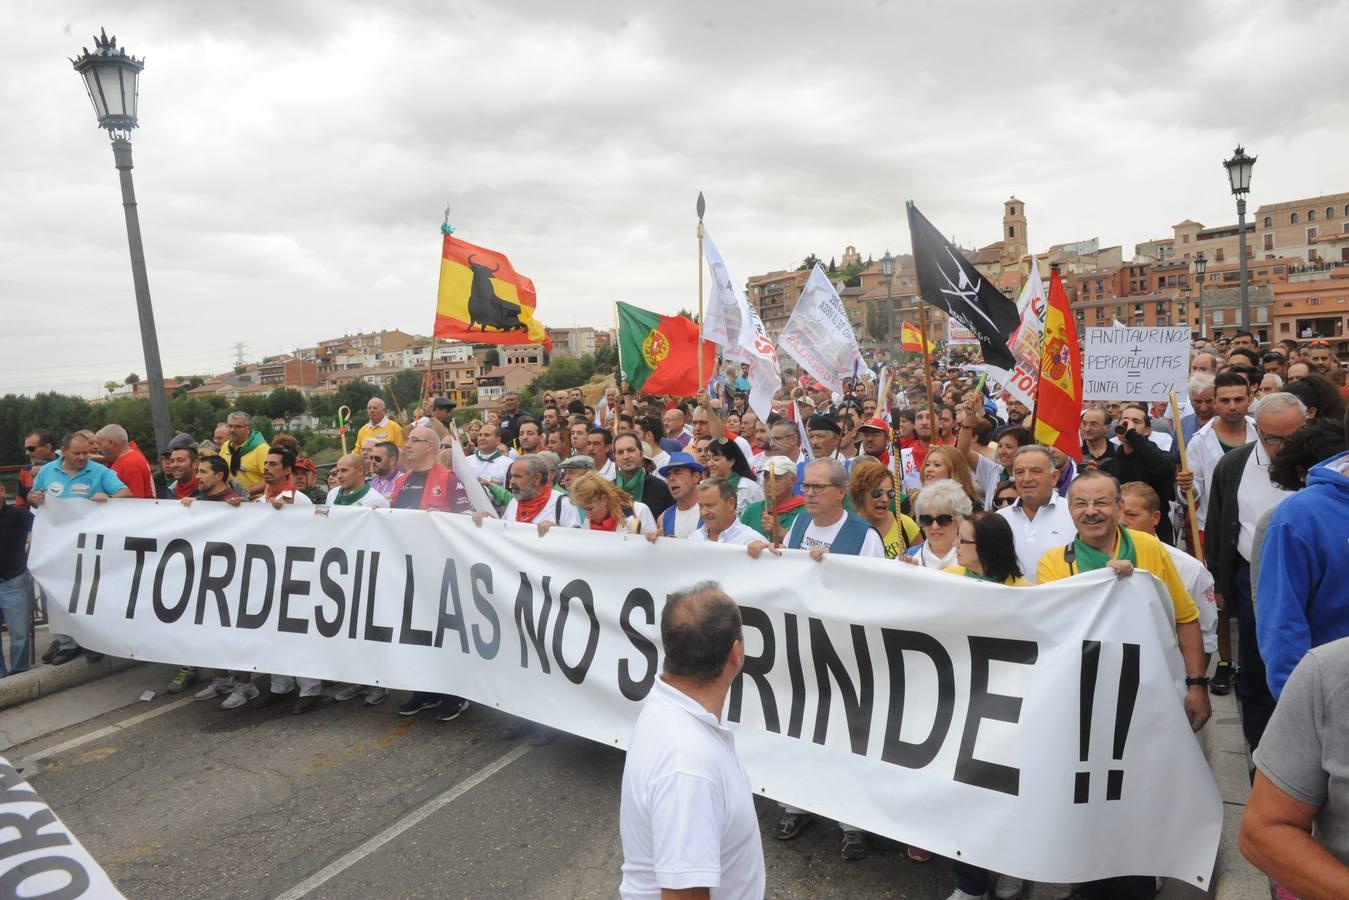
(112, 78)
(1200, 264)
(1239, 175)
(1185, 306)
(888, 270)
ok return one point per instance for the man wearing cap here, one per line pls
(566, 513)
(306, 476)
(631, 475)
(823, 433)
(380, 427)
(716, 508)
(875, 434)
(779, 474)
(682, 474)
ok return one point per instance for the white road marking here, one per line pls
(354, 856)
(96, 735)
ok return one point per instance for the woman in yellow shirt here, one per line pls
(872, 491)
(986, 550)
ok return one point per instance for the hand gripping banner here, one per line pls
(1037, 732)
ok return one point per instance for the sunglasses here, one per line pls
(942, 521)
(32, 449)
(1004, 501)
(879, 493)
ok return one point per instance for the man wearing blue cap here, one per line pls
(682, 475)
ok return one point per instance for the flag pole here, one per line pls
(446, 229)
(932, 434)
(701, 208)
(617, 341)
(1197, 548)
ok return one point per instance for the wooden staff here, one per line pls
(1197, 548)
(769, 504)
(896, 454)
(702, 207)
(343, 413)
(927, 374)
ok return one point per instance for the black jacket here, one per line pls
(1223, 524)
(1148, 464)
(655, 495)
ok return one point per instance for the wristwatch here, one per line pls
(1200, 681)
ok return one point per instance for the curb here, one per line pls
(1224, 745)
(45, 680)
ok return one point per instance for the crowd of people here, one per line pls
(940, 474)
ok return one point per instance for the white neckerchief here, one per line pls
(931, 560)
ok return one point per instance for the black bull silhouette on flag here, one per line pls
(485, 308)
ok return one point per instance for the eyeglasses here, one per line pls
(28, 449)
(809, 488)
(879, 493)
(968, 542)
(1273, 440)
(1004, 501)
(420, 440)
(942, 521)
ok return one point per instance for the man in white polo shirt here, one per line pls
(1040, 519)
(716, 507)
(687, 814)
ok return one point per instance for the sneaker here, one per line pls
(306, 704)
(186, 677)
(61, 657)
(854, 845)
(918, 854)
(958, 894)
(451, 710)
(417, 704)
(348, 692)
(1221, 683)
(221, 684)
(791, 825)
(375, 696)
(1009, 887)
(241, 694)
(52, 649)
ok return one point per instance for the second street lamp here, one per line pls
(112, 78)
(1200, 264)
(888, 270)
(1239, 177)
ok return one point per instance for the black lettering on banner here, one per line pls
(27, 837)
(576, 589)
(79, 574)
(525, 623)
(215, 584)
(140, 547)
(418, 637)
(373, 632)
(169, 615)
(98, 571)
(757, 668)
(256, 553)
(895, 750)
(856, 700)
(290, 585)
(797, 716)
(355, 617)
(13, 789)
(481, 574)
(11, 883)
(1000, 707)
(449, 592)
(637, 689)
(333, 591)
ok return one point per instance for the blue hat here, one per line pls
(682, 461)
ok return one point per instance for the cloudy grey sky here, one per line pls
(294, 158)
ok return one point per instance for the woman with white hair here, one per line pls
(940, 508)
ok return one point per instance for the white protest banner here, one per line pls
(39, 857)
(819, 336)
(731, 321)
(1122, 363)
(1036, 731)
(1025, 343)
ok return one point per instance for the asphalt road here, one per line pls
(185, 800)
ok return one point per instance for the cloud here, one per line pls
(294, 159)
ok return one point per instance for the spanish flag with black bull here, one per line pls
(483, 300)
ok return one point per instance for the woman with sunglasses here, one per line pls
(872, 491)
(1004, 495)
(726, 460)
(941, 506)
(986, 550)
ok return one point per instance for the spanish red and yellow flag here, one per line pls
(1058, 408)
(911, 340)
(483, 300)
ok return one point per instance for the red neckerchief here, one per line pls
(788, 505)
(609, 524)
(185, 490)
(287, 485)
(885, 459)
(526, 510)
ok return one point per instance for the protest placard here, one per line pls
(1143, 364)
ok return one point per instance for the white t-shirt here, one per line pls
(547, 514)
(494, 469)
(292, 495)
(686, 813)
(1052, 527)
(988, 475)
(1198, 581)
(823, 536)
(686, 521)
(746, 492)
(608, 471)
(373, 499)
(738, 533)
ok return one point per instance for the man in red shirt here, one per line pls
(126, 460)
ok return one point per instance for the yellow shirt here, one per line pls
(1151, 555)
(894, 543)
(964, 572)
(389, 431)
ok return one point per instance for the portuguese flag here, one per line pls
(657, 352)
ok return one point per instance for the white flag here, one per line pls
(819, 335)
(473, 489)
(730, 321)
(1025, 343)
(883, 393)
(801, 430)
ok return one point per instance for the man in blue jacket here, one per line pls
(1304, 572)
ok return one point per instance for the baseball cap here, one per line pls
(876, 424)
(306, 464)
(780, 465)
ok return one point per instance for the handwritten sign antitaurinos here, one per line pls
(1134, 363)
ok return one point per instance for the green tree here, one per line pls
(606, 359)
(285, 403)
(876, 324)
(253, 404)
(808, 263)
(111, 386)
(133, 414)
(407, 388)
(133, 378)
(357, 394)
(197, 417)
(21, 414)
(323, 407)
(833, 266)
